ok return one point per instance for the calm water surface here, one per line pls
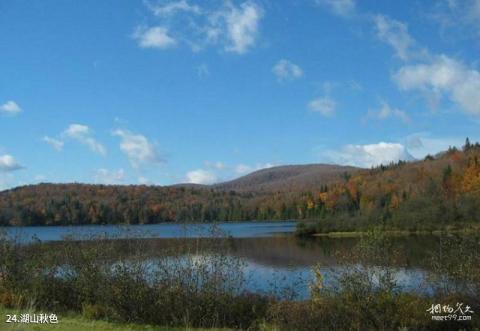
(164, 230)
(273, 257)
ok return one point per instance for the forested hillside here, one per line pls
(269, 194)
(433, 193)
(290, 178)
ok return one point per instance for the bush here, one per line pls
(201, 285)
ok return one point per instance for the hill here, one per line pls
(263, 194)
(288, 178)
(437, 193)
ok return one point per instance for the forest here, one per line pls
(434, 193)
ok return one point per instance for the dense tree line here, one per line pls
(59, 204)
(436, 192)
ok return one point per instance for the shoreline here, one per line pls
(399, 233)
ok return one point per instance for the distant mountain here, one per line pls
(288, 178)
(247, 198)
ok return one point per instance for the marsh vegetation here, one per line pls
(199, 283)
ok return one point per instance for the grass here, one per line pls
(355, 234)
(71, 322)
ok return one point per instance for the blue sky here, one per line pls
(162, 92)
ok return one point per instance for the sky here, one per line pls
(164, 92)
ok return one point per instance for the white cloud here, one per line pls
(395, 34)
(339, 7)
(213, 169)
(174, 7)
(436, 76)
(138, 148)
(216, 165)
(386, 112)
(55, 143)
(201, 176)
(286, 70)
(10, 107)
(422, 144)
(243, 169)
(83, 134)
(233, 27)
(242, 26)
(154, 37)
(366, 156)
(104, 176)
(144, 181)
(443, 76)
(8, 163)
(461, 16)
(326, 106)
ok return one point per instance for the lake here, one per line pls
(273, 258)
(164, 230)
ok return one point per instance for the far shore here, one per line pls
(399, 233)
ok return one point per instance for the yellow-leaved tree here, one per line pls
(471, 179)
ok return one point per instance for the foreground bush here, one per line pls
(367, 297)
(199, 284)
(177, 288)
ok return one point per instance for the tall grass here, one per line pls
(195, 284)
(198, 283)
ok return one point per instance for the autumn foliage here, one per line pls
(441, 191)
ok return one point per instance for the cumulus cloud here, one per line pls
(339, 7)
(234, 27)
(286, 70)
(138, 148)
(386, 111)
(242, 169)
(201, 176)
(143, 180)
(8, 163)
(242, 26)
(435, 76)
(395, 34)
(154, 37)
(84, 135)
(10, 107)
(110, 177)
(55, 143)
(366, 156)
(171, 8)
(443, 76)
(218, 171)
(326, 106)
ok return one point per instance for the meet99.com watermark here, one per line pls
(28, 318)
(446, 312)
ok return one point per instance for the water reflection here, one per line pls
(283, 264)
(273, 258)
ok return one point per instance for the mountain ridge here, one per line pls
(278, 178)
